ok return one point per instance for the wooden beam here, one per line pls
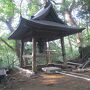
(30, 56)
(27, 56)
(63, 51)
(34, 55)
(21, 54)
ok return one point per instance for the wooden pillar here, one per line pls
(21, 54)
(63, 51)
(46, 54)
(34, 55)
(49, 53)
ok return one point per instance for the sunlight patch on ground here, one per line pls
(52, 76)
(49, 79)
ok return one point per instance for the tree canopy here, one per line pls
(74, 12)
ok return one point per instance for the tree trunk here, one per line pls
(18, 44)
(71, 21)
(9, 24)
(21, 54)
(17, 47)
(87, 29)
(70, 44)
(63, 51)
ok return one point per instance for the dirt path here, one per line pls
(46, 82)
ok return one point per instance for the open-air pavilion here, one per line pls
(43, 27)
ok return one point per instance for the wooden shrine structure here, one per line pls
(43, 27)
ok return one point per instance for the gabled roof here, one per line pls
(44, 25)
(48, 13)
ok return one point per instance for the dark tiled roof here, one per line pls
(45, 24)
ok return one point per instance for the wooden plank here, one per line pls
(86, 63)
(27, 56)
(50, 50)
(76, 64)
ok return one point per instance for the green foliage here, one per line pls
(86, 38)
(6, 9)
(56, 54)
(8, 57)
(84, 10)
(65, 5)
(33, 7)
(86, 5)
(28, 48)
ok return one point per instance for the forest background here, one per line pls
(73, 12)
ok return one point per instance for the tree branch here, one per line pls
(7, 44)
(74, 5)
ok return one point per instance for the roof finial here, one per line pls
(47, 2)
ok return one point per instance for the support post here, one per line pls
(21, 54)
(49, 53)
(46, 54)
(63, 51)
(34, 55)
